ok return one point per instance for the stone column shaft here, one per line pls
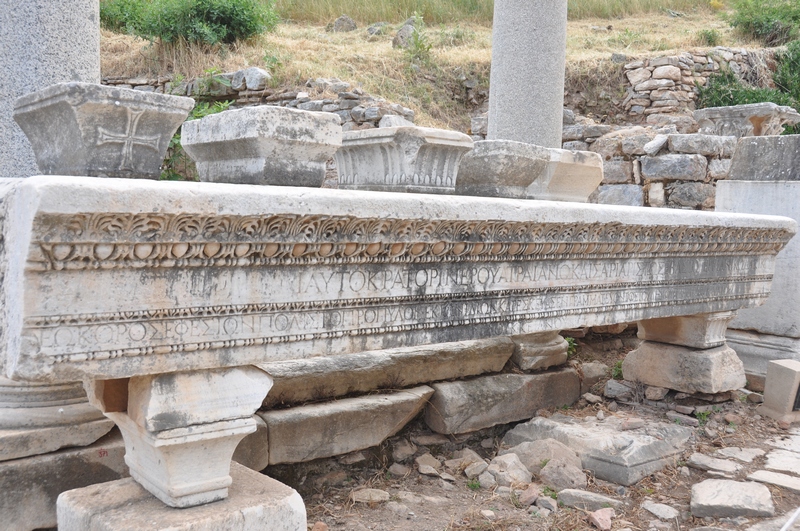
(526, 99)
(42, 43)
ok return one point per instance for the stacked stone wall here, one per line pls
(658, 165)
(666, 85)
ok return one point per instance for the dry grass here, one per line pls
(295, 53)
(473, 11)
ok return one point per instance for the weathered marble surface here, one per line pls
(102, 131)
(401, 159)
(44, 42)
(256, 502)
(527, 81)
(116, 278)
(771, 331)
(263, 145)
(504, 168)
(753, 119)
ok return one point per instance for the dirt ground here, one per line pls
(423, 503)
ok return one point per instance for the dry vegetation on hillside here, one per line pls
(434, 88)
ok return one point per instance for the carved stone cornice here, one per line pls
(103, 241)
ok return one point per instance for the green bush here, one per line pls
(122, 15)
(193, 21)
(787, 77)
(773, 22)
(709, 37)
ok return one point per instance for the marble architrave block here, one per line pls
(101, 131)
(752, 119)
(782, 391)
(695, 331)
(767, 181)
(505, 168)
(263, 145)
(181, 429)
(118, 278)
(401, 159)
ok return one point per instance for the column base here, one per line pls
(31, 485)
(539, 351)
(26, 442)
(690, 370)
(254, 501)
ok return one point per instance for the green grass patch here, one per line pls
(773, 22)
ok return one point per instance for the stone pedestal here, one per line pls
(401, 159)
(44, 43)
(782, 391)
(504, 168)
(256, 502)
(765, 179)
(687, 354)
(263, 145)
(529, 39)
(181, 429)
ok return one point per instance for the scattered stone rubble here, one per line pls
(731, 487)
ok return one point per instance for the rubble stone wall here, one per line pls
(665, 85)
(356, 109)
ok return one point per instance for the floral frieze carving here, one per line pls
(162, 240)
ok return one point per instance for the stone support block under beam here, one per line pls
(694, 331)
(782, 391)
(316, 379)
(465, 406)
(255, 502)
(684, 369)
(181, 429)
(334, 428)
(539, 351)
(31, 485)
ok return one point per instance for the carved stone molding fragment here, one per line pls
(754, 119)
(270, 273)
(100, 131)
(504, 168)
(401, 159)
(263, 145)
